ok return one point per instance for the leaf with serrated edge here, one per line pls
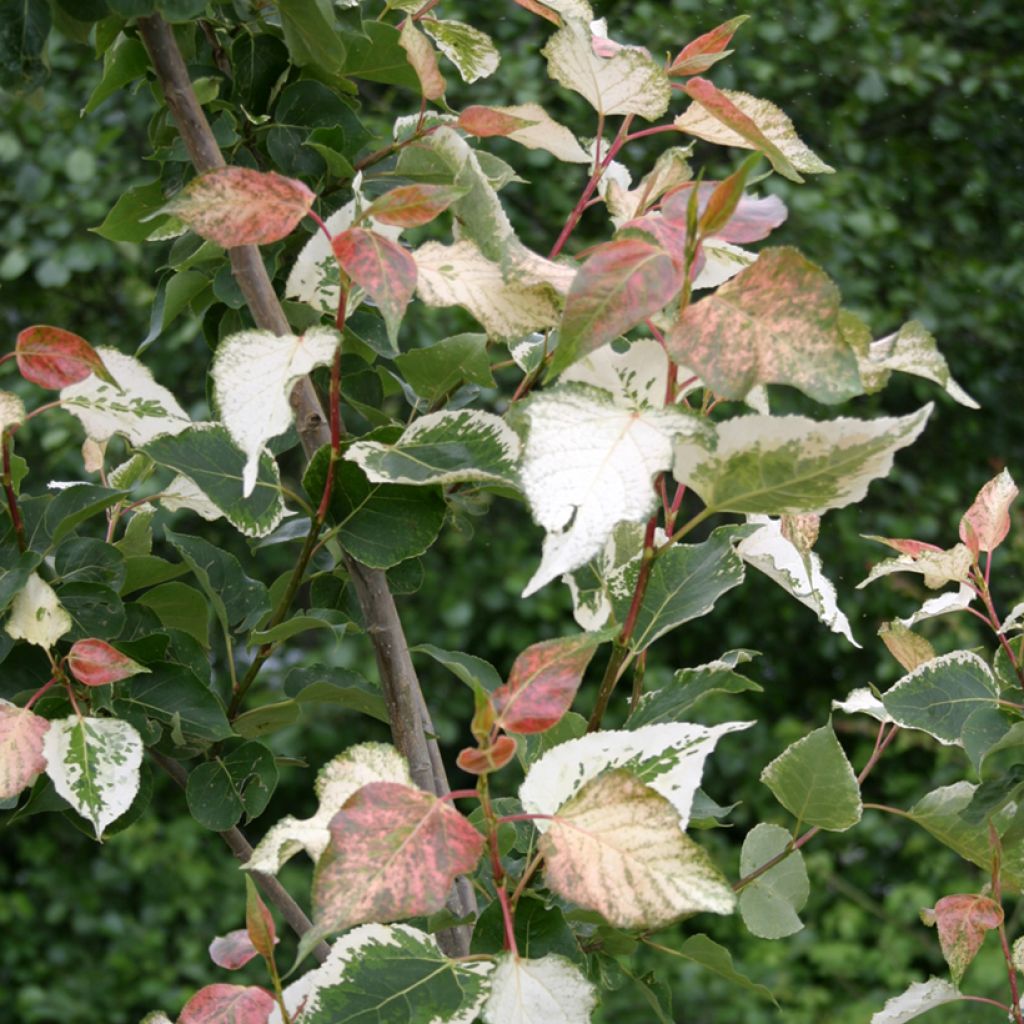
(471, 51)
(771, 903)
(228, 1004)
(629, 82)
(94, 764)
(540, 132)
(814, 781)
(539, 992)
(987, 522)
(616, 847)
(253, 374)
(789, 464)
(963, 921)
(136, 407)
(394, 853)
(587, 466)
(668, 757)
(21, 748)
(799, 575)
(921, 997)
(37, 616)
(444, 448)
(335, 783)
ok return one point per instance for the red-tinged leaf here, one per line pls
(543, 682)
(420, 53)
(409, 206)
(905, 546)
(486, 122)
(228, 1004)
(721, 107)
(963, 921)
(695, 58)
(259, 922)
(620, 283)
(239, 206)
(394, 853)
(95, 663)
(483, 762)
(54, 358)
(725, 197)
(751, 219)
(668, 234)
(534, 7)
(381, 267)
(986, 523)
(233, 950)
(21, 749)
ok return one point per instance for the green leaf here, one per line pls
(434, 371)
(94, 609)
(770, 904)
(311, 34)
(267, 719)
(24, 28)
(534, 746)
(539, 930)
(231, 785)
(89, 560)
(814, 781)
(74, 505)
(129, 220)
(14, 578)
(148, 571)
(125, 61)
(717, 959)
(318, 618)
(377, 57)
(468, 668)
(180, 606)
(322, 685)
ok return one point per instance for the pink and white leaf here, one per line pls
(409, 206)
(963, 922)
(986, 523)
(423, 58)
(228, 1004)
(233, 950)
(21, 748)
(95, 663)
(529, 125)
(54, 358)
(706, 50)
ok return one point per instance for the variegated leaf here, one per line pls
(21, 748)
(471, 51)
(94, 662)
(539, 992)
(670, 170)
(938, 567)
(963, 922)
(382, 268)
(228, 1004)
(986, 523)
(921, 997)
(37, 616)
(908, 648)
(423, 58)
(863, 702)
(12, 410)
(636, 379)
(608, 579)
(706, 50)
(530, 125)
(410, 206)
(233, 950)
(952, 601)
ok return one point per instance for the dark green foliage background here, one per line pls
(917, 106)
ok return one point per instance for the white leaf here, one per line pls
(921, 997)
(773, 123)
(253, 375)
(182, 493)
(937, 567)
(799, 575)
(572, 8)
(863, 701)
(94, 764)
(668, 757)
(1014, 622)
(443, 448)
(471, 51)
(588, 465)
(951, 601)
(138, 409)
(722, 261)
(636, 378)
(335, 783)
(37, 615)
(12, 410)
(545, 133)
(543, 991)
(21, 748)
(628, 82)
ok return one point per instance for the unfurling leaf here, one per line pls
(228, 1004)
(543, 682)
(485, 760)
(539, 992)
(771, 903)
(259, 922)
(37, 615)
(616, 847)
(21, 748)
(986, 523)
(394, 853)
(239, 206)
(697, 57)
(95, 663)
(409, 206)
(423, 58)
(54, 358)
(908, 648)
(963, 921)
(233, 950)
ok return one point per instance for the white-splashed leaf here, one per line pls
(37, 616)
(986, 523)
(912, 349)
(951, 601)
(588, 465)
(471, 51)
(722, 262)
(182, 493)
(12, 410)
(539, 992)
(921, 997)
(636, 378)
(21, 748)
(507, 305)
(336, 782)
(671, 169)
(608, 578)
(800, 575)
(572, 8)
(530, 125)
(628, 82)
(790, 464)
(770, 905)
(1014, 622)
(253, 375)
(863, 701)
(616, 847)
(444, 448)
(94, 764)
(937, 567)
(668, 757)
(137, 408)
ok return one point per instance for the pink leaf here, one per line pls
(695, 58)
(543, 683)
(423, 57)
(95, 663)
(239, 206)
(989, 517)
(54, 358)
(490, 759)
(620, 283)
(385, 270)
(963, 922)
(233, 950)
(486, 122)
(668, 234)
(750, 220)
(409, 206)
(906, 546)
(228, 1004)
(21, 749)
(394, 853)
(259, 922)
(538, 8)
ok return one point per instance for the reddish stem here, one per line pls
(320, 223)
(641, 582)
(997, 895)
(460, 794)
(524, 817)
(656, 130)
(45, 407)
(42, 689)
(506, 915)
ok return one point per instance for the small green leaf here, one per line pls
(770, 904)
(180, 606)
(434, 371)
(341, 686)
(267, 719)
(125, 61)
(318, 618)
(717, 959)
(311, 34)
(130, 218)
(231, 785)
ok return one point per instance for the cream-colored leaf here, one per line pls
(253, 375)
(1014, 622)
(37, 615)
(921, 997)
(21, 748)
(628, 82)
(636, 379)
(471, 51)
(138, 408)
(93, 453)
(539, 992)
(545, 133)
(987, 522)
(336, 782)
(937, 567)
(722, 262)
(12, 410)
(182, 493)
(671, 169)
(423, 58)
(572, 8)
(863, 702)
(774, 124)
(951, 601)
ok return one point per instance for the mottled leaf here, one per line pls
(921, 997)
(228, 1004)
(471, 51)
(21, 748)
(95, 663)
(538, 992)
(529, 124)
(706, 50)
(636, 378)
(986, 523)
(771, 903)
(483, 761)
(233, 950)
(908, 648)
(409, 206)
(54, 358)
(963, 922)
(381, 267)
(937, 566)
(423, 58)
(37, 616)
(259, 922)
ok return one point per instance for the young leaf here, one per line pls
(233, 950)
(921, 997)
(12, 411)
(259, 922)
(484, 761)
(814, 781)
(94, 764)
(37, 616)
(239, 206)
(705, 51)
(54, 358)
(21, 748)
(471, 51)
(539, 992)
(423, 58)
(986, 523)
(335, 783)
(530, 125)
(771, 903)
(963, 921)
(410, 206)
(937, 566)
(790, 464)
(253, 375)
(228, 1004)
(863, 702)
(95, 663)
(394, 853)
(942, 605)
(908, 648)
